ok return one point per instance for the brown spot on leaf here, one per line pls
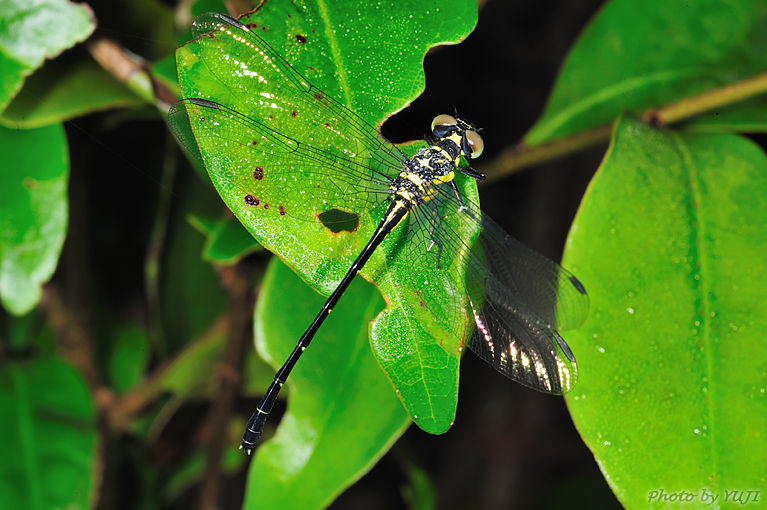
(258, 173)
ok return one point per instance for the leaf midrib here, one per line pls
(703, 286)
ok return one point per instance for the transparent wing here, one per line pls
(267, 168)
(249, 76)
(518, 298)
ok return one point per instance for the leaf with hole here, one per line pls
(317, 216)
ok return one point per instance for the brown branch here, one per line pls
(707, 101)
(66, 301)
(520, 156)
(71, 333)
(132, 70)
(237, 281)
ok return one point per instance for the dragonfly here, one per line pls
(514, 301)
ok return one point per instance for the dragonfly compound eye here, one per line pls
(442, 124)
(475, 144)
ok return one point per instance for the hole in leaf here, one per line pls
(337, 220)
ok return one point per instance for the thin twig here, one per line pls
(152, 262)
(237, 281)
(520, 155)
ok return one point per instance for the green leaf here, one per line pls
(190, 372)
(276, 197)
(748, 116)
(48, 427)
(639, 55)
(130, 355)
(64, 88)
(226, 240)
(165, 69)
(420, 492)
(33, 212)
(34, 30)
(19, 333)
(342, 415)
(670, 242)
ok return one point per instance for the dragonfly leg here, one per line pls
(467, 170)
(458, 196)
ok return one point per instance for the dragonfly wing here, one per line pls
(519, 300)
(271, 167)
(248, 75)
(236, 122)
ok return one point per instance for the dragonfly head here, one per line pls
(463, 134)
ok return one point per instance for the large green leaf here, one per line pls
(47, 422)
(65, 88)
(639, 55)
(281, 198)
(34, 30)
(33, 212)
(342, 414)
(670, 242)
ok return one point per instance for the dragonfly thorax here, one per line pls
(430, 167)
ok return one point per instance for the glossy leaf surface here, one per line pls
(670, 242)
(342, 415)
(276, 195)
